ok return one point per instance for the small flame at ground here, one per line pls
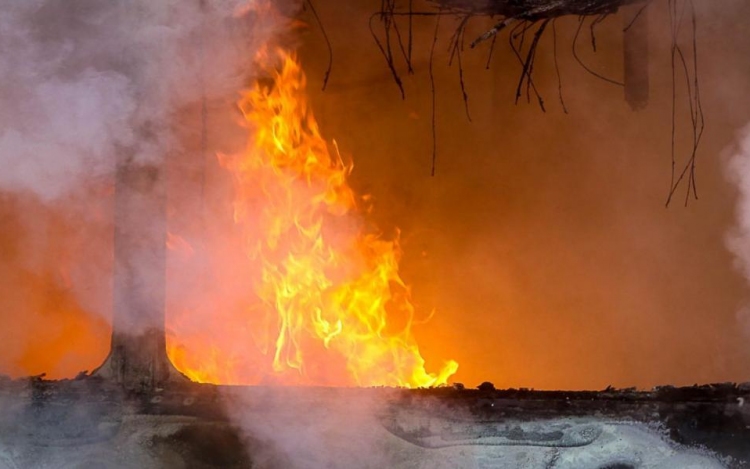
(329, 306)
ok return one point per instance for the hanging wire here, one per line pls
(695, 105)
(327, 74)
(521, 16)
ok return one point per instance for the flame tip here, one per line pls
(343, 312)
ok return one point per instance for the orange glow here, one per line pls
(44, 325)
(327, 305)
(66, 340)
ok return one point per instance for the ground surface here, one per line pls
(89, 423)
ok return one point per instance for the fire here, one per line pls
(328, 305)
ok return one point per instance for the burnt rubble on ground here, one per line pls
(91, 409)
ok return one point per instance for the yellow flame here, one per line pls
(331, 289)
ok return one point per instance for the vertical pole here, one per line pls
(138, 358)
(138, 355)
(635, 47)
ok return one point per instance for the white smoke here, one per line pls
(738, 239)
(82, 82)
(313, 428)
(83, 77)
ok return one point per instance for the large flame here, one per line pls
(329, 305)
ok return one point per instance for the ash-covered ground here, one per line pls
(290, 428)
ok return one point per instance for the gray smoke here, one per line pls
(738, 239)
(83, 77)
(83, 81)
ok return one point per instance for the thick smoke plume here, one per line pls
(82, 78)
(738, 240)
(82, 81)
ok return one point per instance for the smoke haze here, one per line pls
(542, 242)
(738, 240)
(82, 80)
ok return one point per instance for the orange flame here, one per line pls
(330, 306)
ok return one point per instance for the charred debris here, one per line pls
(92, 409)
